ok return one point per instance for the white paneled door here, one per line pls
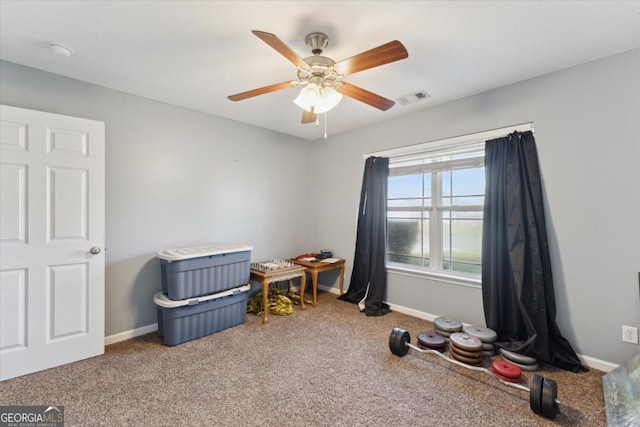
(52, 217)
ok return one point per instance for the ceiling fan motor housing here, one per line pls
(319, 66)
(317, 42)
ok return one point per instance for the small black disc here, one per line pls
(549, 394)
(535, 393)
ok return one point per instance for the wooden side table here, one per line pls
(280, 275)
(318, 267)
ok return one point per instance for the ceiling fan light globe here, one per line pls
(331, 97)
(308, 97)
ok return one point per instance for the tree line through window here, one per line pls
(434, 211)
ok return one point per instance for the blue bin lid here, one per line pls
(163, 301)
(200, 251)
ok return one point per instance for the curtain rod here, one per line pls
(455, 140)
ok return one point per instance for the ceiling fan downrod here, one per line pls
(317, 42)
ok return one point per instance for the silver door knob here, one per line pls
(95, 250)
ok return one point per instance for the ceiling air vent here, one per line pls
(413, 97)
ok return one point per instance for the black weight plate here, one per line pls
(393, 339)
(398, 341)
(440, 349)
(399, 349)
(405, 339)
(549, 394)
(535, 393)
(431, 339)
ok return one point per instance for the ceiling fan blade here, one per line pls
(261, 91)
(284, 50)
(389, 52)
(365, 96)
(308, 117)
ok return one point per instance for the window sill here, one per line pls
(440, 277)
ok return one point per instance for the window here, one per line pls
(434, 210)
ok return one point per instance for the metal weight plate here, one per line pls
(447, 324)
(549, 395)
(466, 341)
(528, 368)
(398, 341)
(518, 358)
(535, 393)
(471, 354)
(443, 333)
(485, 335)
(467, 360)
(487, 346)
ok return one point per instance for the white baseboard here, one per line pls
(601, 365)
(590, 362)
(126, 335)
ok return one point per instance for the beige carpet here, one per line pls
(326, 366)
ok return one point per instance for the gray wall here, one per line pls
(586, 120)
(178, 178)
(175, 178)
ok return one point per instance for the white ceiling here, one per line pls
(195, 53)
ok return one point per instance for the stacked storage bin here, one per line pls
(204, 290)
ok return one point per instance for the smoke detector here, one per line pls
(60, 49)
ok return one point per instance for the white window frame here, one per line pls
(458, 143)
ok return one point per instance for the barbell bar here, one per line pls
(542, 393)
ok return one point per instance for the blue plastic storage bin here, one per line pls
(186, 320)
(202, 270)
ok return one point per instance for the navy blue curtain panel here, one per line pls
(369, 276)
(517, 284)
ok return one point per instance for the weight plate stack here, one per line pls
(488, 349)
(431, 340)
(465, 348)
(445, 326)
(526, 363)
(506, 371)
(486, 335)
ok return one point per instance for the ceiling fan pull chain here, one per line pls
(325, 125)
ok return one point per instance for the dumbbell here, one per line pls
(542, 393)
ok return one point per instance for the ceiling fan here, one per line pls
(322, 76)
